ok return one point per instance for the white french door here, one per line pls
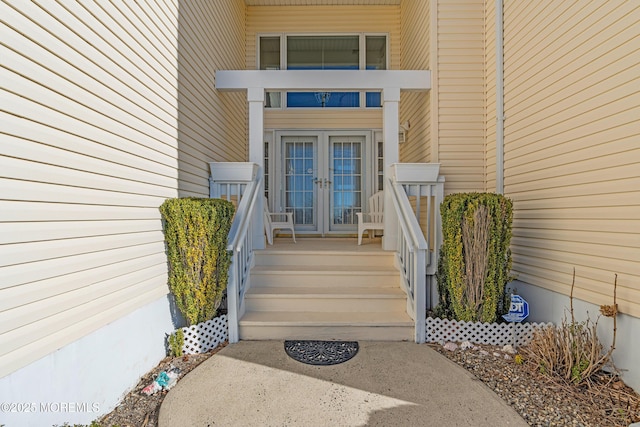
(323, 178)
(299, 183)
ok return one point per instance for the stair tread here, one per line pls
(390, 318)
(360, 252)
(325, 294)
(393, 291)
(325, 269)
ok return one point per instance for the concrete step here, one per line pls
(325, 299)
(378, 326)
(336, 276)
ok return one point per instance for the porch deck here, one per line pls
(325, 244)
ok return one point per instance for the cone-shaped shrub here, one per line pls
(196, 233)
(475, 260)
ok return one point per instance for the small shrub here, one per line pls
(475, 260)
(518, 359)
(176, 342)
(196, 233)
(572, 351)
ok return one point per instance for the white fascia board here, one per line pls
(416, 80)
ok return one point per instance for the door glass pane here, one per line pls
(299, 188)
(346, 194)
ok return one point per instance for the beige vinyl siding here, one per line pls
(572, 158)
(461, 93)
(415, 107)
(490, 95)
(322, 20)
(324, 119)
(212, 125)
(98, 108)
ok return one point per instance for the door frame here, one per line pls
(276, 184)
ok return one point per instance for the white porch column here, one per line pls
(255, 97)
(390, 127)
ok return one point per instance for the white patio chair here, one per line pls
(375, 215)
(270, 225)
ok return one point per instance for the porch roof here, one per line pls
(390, 82)
(419, 80)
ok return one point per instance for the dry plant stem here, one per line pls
(570, 331)
(573, 351)
(607, 357)
(476, 238)
(615, 306)
(573, 284)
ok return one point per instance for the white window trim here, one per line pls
(362, 46)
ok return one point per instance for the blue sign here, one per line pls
(518, 311)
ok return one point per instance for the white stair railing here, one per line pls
(417, 249)
(241, 183)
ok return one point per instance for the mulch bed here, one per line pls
(139, 410)
(542, 401)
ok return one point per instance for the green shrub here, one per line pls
(475, 260)
(196, 232)
(176, 342)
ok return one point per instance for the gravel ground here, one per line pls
(139, 410)
(543, 402)
(540, 401)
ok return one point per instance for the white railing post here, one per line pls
(432, 268)
(420, 297)
(390, 127)
(257, 220)
(244, 181)
(232, 301)
(416, 261)
(255, 98)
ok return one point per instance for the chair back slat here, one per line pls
(376, 206)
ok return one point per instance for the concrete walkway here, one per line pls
(255, 383)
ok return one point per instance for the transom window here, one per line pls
(323, 52)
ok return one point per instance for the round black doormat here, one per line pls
(321, 352)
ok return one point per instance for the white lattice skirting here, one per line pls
(444, 330)
(204, 336)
